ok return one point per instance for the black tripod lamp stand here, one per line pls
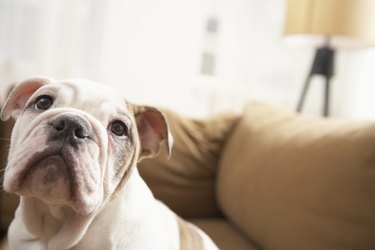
(323, 65)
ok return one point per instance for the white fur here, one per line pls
(131, 216)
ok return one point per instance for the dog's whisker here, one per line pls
(4, 139)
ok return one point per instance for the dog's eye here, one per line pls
(43, 102)
(119, 128)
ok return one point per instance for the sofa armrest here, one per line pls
(8, 202)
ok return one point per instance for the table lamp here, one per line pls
(328, 25)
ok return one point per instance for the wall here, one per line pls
(152, 52)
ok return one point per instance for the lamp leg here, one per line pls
(323, 65)
(303, 94)
(327, 91)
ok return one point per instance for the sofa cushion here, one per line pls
(4, 244)
(186, 181)
(224, 234)
(293, 182)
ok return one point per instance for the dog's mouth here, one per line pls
(56, 176)
(47, 176)
(52, 167)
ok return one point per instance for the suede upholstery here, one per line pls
(188, 177)
(291, 182)
(267, 179)
(8, 202)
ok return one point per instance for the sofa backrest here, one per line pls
(186, 181)
(292, 182)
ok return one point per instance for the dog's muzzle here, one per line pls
(64, 168)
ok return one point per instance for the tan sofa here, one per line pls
(269, 179)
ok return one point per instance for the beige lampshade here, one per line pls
(348, 23)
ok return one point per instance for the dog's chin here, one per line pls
(47, 179)
(55, 182)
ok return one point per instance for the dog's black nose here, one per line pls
(70, 126)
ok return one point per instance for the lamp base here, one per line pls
(323, 65)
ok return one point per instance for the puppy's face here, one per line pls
(75, 142)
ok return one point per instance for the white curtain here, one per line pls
(195, 56)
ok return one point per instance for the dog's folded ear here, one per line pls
(19, 96)
(153, 131)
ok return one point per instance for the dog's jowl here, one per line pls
(73, 162)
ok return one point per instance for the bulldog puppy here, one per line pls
(72, 160)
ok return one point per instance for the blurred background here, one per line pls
(198, 57)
